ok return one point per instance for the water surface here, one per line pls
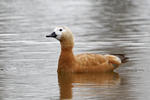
(28, 60)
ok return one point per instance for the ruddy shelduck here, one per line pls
(68, 62)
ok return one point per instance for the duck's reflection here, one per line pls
(67, 81)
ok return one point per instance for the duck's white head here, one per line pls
(57, 33)
(63, 34)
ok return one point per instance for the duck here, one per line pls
(85, 62)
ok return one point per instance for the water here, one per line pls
(28, 60)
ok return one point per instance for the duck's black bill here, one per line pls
(52, 35)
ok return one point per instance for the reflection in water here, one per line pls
(68, 81)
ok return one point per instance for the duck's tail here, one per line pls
(122, 57)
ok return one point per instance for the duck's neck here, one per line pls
(67, 57)
(67, 53)
(66, 49)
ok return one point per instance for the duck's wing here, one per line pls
(91, 59)
(97, 59)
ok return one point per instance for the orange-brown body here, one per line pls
(68, 62)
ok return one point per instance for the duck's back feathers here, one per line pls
(90, 59)
(97, 63)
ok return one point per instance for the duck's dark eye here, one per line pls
(60, 29)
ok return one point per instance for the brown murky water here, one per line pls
(28, 60)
